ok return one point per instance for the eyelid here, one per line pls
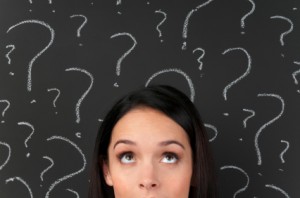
(174, 155)
(123, 154)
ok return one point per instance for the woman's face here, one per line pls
(149, 156)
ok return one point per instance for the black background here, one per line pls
(215, 27)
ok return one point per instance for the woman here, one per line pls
(152, 144)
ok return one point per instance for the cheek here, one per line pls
(177, 184)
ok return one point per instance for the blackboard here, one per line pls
(64, 63)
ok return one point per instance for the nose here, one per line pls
(148, 177)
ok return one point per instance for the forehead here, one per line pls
(146, 123)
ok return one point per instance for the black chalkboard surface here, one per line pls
(64, 63)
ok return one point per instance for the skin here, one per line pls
(149, 156)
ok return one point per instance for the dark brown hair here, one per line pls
(178, 107)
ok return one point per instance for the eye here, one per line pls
(170, 158)
(126, 157)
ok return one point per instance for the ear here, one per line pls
(106, 173)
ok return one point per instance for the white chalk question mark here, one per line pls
(285, 150)
(192, 89)
(157, 27)
(277, 189)
(187, 19)
(6, 108)
(247, 118)
(242, 171)
(29, 81)
(9, 154)
(259, 160)
(286, 32)
(77, 109)
(214, 129)
(57, 96)
(248, 14)
(22, 181)
(118, 67)
(29, 137)
(242, 76)
(201, 56)
(10, 51)
(295, 74)
(73, 191)
(48, 168)
(52, 186)
(82, 25)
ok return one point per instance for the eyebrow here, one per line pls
(163, 143)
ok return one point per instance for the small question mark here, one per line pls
(82, 25)
(284, 151)
(118, 68)
(29, 137)
(242, 171)
(73, 191)
(202, 55)
(22, 181)
(10, 51)
(248, 14)
(9, 154)
(242, 76)
(192, 89)
(287, 32)
(77, 110)
(295, 74)
(157, 27)
(58, 94)
(214, 129)
(49, 167)
(259, 161)
(5, 109)
(277, 189)
(52, 186)
(29, 83)
(250, 116)
(187, 19)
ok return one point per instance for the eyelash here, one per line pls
(169, 154)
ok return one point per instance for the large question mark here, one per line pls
(247, 118)
(5, 109)
(29, 81)
(202, 55)
(49, 167)
(192, 89)
(277, 189)
(9, 154)
(286, 32)
(284, 151)
(242, 76)
(157, 27)
(58, 94)
(52, 186)
(10, 51)
(241, 170)
(187, 19)
(118, 68)
(214, 129)
(258, 133)
(295, 74)
(82, 25)
(32, 131)
(77, 109)
(22, 181)
(248, 14)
